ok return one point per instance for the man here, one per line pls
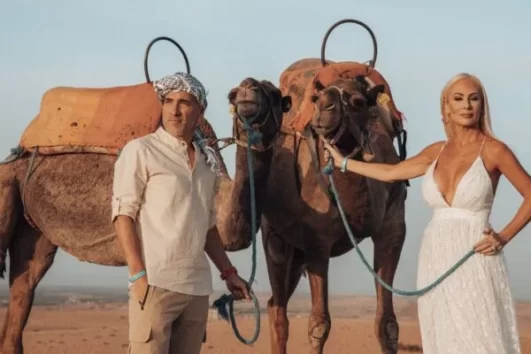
(164, 215)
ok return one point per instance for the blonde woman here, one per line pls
(472, 310)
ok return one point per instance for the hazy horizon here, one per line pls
(420, 46)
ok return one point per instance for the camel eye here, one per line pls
(330, 107)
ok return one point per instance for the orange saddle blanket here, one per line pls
(306, 77)
(92, 119)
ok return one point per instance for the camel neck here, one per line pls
(261, 165)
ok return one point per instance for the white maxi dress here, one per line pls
(471, 311)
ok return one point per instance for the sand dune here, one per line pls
(102, 328)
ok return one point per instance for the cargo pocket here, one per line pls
(141, 301)
(140, 331)
(140, 317)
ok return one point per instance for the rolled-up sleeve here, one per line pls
(212, 218)
(130, 177)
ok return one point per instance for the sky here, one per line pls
(421, 45)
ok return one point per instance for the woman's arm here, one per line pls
(509, 166)
(413, 167)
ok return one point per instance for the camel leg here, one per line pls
(284, 265)
(4, 329)
(31, 255)
(10, 209)
(387, 248)
(320, 323)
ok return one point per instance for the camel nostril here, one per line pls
(247, 109)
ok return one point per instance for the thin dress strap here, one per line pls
(482, 143)
(442, 147)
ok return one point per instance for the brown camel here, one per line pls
(301, 226)
(65, 202)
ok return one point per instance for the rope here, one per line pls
(228, 300)
(327, 170)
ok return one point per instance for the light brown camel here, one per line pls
(68, 198)
(301, 226)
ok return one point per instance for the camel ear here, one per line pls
(232, 94)
(372, 94)
(286, 104)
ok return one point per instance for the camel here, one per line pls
(300, 223)
(66, 203)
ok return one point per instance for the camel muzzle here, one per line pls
(248, 110)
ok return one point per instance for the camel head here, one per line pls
(258, 105)
(342, 109)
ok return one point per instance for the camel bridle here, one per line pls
(254, 127)
(341, 125)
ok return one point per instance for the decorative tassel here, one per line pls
(210, 153)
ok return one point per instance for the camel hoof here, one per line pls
(391, 330)
(391, 334)
(12, 350)
(319, 333)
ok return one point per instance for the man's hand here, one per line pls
(139, 289)
(238, 287)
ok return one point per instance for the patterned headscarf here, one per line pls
(181, 82)
(184, 82)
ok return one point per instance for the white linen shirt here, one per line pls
(172, 206)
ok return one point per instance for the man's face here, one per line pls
(180, 114)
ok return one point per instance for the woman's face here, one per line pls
(464, 104)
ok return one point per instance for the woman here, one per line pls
(471, 311)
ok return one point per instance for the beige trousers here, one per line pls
(167, 323)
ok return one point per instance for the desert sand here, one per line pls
(92, 327)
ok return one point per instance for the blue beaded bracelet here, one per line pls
(344, 164)
(137, 276)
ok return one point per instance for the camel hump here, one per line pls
(300, 84)
(92, 118)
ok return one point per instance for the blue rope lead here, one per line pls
(228, 300)
(327, 170)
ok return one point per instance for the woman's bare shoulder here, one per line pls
(495, 148)
(432, 150)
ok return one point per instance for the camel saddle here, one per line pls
(301, 84)
(341, 70)
(100, 120)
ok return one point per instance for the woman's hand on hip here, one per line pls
(491, 244)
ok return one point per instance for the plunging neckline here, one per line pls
(435, 163)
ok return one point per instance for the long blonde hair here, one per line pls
(485, 125)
